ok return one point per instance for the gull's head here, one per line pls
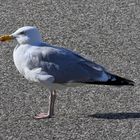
(24, 35)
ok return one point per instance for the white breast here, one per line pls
(19, 58)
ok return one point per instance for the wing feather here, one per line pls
(66, 66)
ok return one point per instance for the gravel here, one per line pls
(106, 31)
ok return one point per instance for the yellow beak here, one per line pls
(6, 38)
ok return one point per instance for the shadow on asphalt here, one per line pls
(123, 115)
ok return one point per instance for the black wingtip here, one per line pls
(122, 81)
(114, 80)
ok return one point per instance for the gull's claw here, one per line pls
(42, 116)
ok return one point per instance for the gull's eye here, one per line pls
(22, 33)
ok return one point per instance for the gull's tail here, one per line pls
(114, 80)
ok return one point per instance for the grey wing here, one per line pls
(66, 66)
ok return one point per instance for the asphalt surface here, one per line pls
(106, 31)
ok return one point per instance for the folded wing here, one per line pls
(66, 66)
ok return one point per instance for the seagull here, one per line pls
(55, 67)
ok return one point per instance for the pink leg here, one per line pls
(51, 107)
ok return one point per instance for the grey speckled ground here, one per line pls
(107, 31)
